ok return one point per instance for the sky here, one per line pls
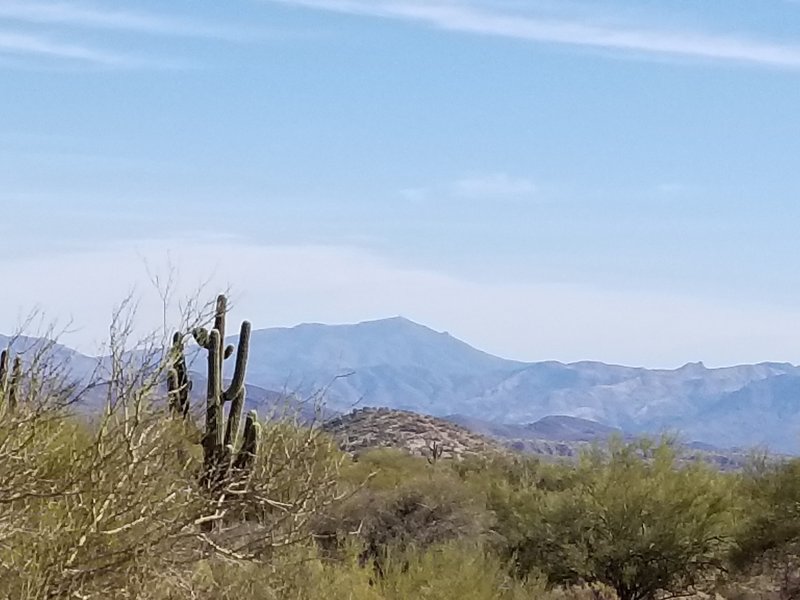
(545, 179)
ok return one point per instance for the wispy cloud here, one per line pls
(455, 15)
(79, 15)
(40, 46)
(44, 34)
(492, 186)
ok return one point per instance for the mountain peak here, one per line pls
(380, 353)
(693, 367)
(396, 321)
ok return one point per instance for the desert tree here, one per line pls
(635, 519)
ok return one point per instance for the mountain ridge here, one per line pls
(399, 364)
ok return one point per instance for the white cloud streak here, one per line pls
(63, 13)
(461, 17)
(23, 44)
(488, 187)
(497, 185)
(45, 30)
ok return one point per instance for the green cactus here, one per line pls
(3, 373)
(10, 381)
(249, 448)
(178, 383)
(13, 388)
(220, 437)
(4, 380)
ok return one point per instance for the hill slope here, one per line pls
(368, 428)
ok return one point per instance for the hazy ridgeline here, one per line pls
(150, 497)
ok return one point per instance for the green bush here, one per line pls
(635, 520)
(406, 503)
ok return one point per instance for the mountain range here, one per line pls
(399, 364)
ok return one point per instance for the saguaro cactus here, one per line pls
(220, 437)
(178, 383)
(249, 448)
(3, 375)
(435, 451)
(9, 381)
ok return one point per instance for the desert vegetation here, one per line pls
(147, 495)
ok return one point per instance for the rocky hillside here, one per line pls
(385, 428)
(415, 433)
(369, 428)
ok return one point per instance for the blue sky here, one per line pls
(546, 179)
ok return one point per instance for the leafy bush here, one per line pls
(635, 520)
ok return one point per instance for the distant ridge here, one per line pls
(374, 428)
(403, 365)
(559, 428)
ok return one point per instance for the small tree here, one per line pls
(637, 521)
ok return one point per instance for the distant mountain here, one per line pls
(400, 364)
(79, 367)
(35, 348)
(393, 362)
(269, 403)
(557, 428)
(370, 428)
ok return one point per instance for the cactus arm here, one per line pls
(212, 439)
(173, 391)
(219, 316)
(214, 398)
(200, 335)
(3, 374)
(234, 418)
(247, 453)
(13, 391)
(178, 382)
(237, 383)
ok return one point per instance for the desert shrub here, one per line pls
(294, 478)
(768, 539)
(636, 521)
(773, 524)
(405, 503)
(453, 571)
(83, 507)
(104, 504)
(515, 472)
(584, 591)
